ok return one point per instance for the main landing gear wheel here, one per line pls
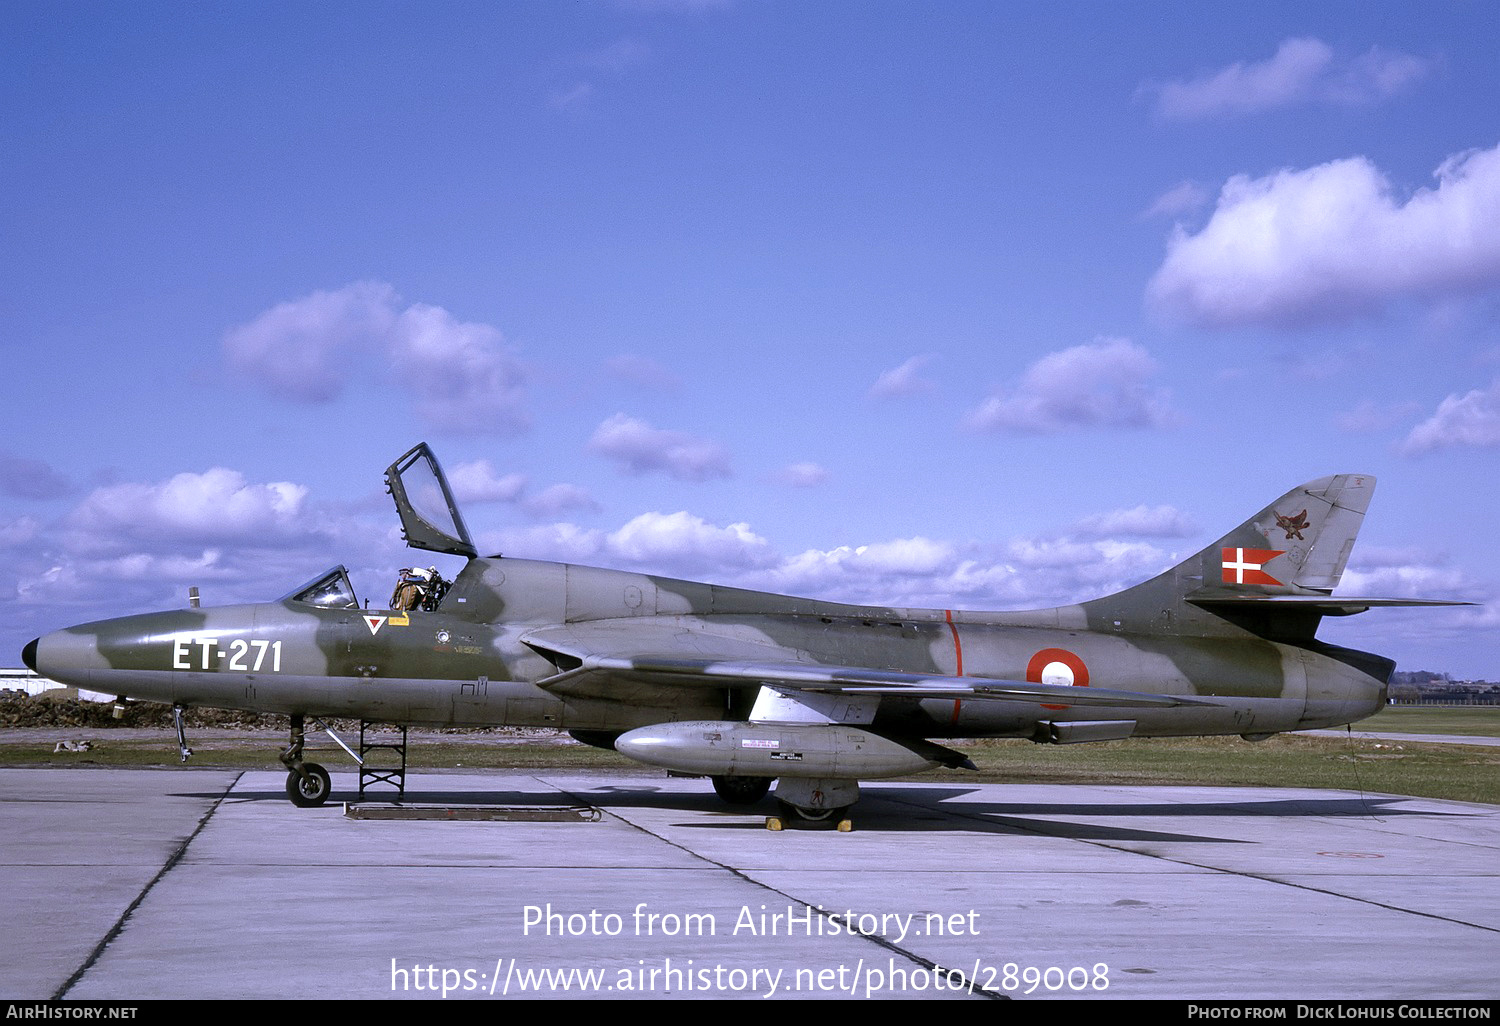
(310, 788)
(810, 819)
(741, 790)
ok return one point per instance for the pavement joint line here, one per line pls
(1234, 872)
(119, 925)
(880, 941)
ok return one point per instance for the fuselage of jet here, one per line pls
(470, 662)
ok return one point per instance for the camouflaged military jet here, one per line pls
(748, 688)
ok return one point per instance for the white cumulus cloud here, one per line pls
(1141, 522)
(555, 499)
(1301, 71)
(460, 376)
(132, 546)
(904, 381)
(668, 539)
(1315, 244)
(1470, 420)
(23, 478)
(1416, 574)
(639, 448)
(478, 481)
(216, 506)
(1108, 383)
(302, 350)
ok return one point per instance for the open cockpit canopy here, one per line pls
(429, 517)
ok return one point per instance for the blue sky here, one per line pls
(984, 305)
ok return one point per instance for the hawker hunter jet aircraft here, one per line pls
(748, 688)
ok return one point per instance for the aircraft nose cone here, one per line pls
(67, 657)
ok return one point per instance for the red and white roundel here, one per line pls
(1057, 666)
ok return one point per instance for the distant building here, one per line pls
(1423, 688)
(33, 683)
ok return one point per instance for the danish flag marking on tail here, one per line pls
(1243, 566)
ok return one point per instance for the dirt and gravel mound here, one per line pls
(18, 709)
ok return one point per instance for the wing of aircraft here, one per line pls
(601, 656)
(750, 688)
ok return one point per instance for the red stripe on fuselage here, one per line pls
(958, 656)
(958, 646)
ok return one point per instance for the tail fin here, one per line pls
(1273, 575)
(1298, 545)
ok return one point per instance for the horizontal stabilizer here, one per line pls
(1322, 605)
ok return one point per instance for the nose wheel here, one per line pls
(307, 784)
(310, 788)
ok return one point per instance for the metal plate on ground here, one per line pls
(457, 813)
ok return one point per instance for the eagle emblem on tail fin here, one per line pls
(1293, 525)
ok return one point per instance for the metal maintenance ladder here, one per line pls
(384, 773)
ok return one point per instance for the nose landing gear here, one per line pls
(307, 784)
